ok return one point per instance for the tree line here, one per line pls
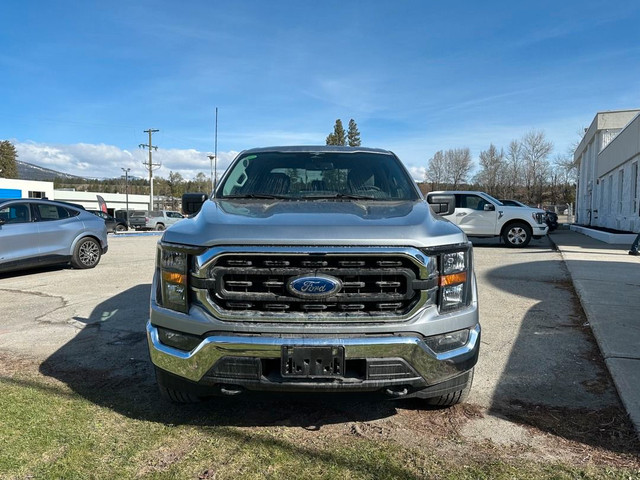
(525, 171)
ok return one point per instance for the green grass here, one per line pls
(49, 431)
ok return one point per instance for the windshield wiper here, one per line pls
(348, 196)
(259, 196)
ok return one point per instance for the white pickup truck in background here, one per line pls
(478, 214)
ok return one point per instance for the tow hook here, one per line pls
(231, 390)
(396, 391)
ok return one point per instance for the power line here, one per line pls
(150, 165)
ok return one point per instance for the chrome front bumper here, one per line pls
(433, 368)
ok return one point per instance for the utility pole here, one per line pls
(126, 190)
(150, 165)
(215, 157)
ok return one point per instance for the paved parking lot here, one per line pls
(538, 360)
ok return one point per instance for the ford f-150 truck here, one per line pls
(478, 214)
(315, 269)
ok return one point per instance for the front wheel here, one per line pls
(87, 254)
(517, 234)
(177, 396)
(452, 398)
(160, 227)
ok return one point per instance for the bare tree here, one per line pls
(458, 166)
(491, 171)
(535, 152)
(436, 170)
(563, 177)
(513, 169)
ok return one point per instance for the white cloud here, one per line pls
(106, 161)
(417, 173)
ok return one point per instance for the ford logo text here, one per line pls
(314, 286)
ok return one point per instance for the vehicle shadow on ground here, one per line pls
(108, 363)
(34, 271)
(555, 379)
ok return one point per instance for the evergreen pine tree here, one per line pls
(8, 156)
(353, 135)
(338, 137)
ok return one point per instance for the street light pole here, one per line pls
(126, 190)
(211, 157)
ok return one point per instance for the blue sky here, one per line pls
(80, 81)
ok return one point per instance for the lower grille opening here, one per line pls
(355, 369)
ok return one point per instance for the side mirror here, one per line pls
(2, 221)
(489, 207)
(192, 202)
(442, 204)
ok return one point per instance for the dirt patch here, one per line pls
(167, 455)
(602, 436)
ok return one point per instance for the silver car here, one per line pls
(36, 232)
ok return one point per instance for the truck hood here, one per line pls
(520, 210)
(317, 222)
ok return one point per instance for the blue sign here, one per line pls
(10, 193)
(314, 286)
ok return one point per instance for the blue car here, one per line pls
(37, 232)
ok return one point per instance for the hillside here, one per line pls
(29, 171)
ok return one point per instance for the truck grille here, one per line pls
(242, 286)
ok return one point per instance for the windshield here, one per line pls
(495, 200)
(313, 175)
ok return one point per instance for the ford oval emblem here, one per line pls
(314, 286)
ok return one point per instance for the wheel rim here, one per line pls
(89, 253)
(517, 235)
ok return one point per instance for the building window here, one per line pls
(620, 185)
(37, 194)
(634, 187)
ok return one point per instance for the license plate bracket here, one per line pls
(312, 362)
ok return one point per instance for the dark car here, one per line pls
(35, 232)
(113, 224)
(551, 218)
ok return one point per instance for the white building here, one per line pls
(12, 188)
(114, 201)
(608, 180)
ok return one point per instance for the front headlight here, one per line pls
(454, 281)
(172, 270)
(538, 217)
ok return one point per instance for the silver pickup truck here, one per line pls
(154, 220)
(315, 269)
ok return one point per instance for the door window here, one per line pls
(16, 213)
(51, 212)
(473, 202)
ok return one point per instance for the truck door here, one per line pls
(471, 216)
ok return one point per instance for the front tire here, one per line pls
(86, 254)
(452, 398)
(177, 396)
(517, 235)
(160, 227)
